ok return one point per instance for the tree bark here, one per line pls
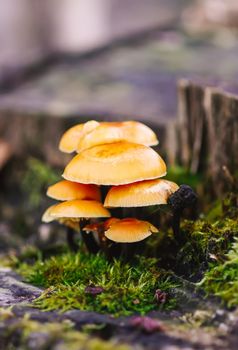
(208, 131)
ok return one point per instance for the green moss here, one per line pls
(221, 279)
(37, 177)
(19, 333)
(126, 289)
(215, 211)
(130, 288)
(201, 241)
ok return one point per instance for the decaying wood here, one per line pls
(38, 135)
(208, 131)
(222, 120)
(191, 119)
(172, 143)
(184, 120)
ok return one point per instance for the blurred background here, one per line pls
(33, 29)
(64, 62)
(137, 51)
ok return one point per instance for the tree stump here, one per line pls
(208, 130)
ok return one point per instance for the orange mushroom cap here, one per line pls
(79, 209)
(115, 164)
(70, 139)
(47, 215)
(140, 194)
(110, 132)
(130, 230)
(69, 222)
(67, 190)
(139, 133)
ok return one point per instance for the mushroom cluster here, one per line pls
(115, 154)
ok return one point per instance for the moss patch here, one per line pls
(123, 289)
(221, 279)
(203, 241)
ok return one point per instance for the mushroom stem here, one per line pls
(103, 241)
(129, 250)
(114, 251)
(176, 222)
(73, 246)
(88, 239)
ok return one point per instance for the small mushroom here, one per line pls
(67, 190)
(124, 237)
(130, 230)
(140, 194)
(110, 132)
(118, 231)
(70, 139)
(115, 164)
(80, 209)
(71, 213)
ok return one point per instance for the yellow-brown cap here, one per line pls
(130, 230)
(115, 164)
(110, 132)
(140, 194)
(70, 139)
(79, 209)
(67, 190)
(46, 217)
(139, 133)
(69, 222)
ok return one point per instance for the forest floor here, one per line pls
(110, 83)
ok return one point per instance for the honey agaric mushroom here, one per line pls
(80, 209)
(67, 190)
(74, 211)
(69, 140)
(115, 164)
(140, 194)
(117, 154)
(130, 230)
(153, 192)
(69, 222)
(111, 132)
